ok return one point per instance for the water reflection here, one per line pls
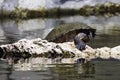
(73, 72)
(57, 69)
(10, 31)
(60, 69)
(46, 69)
(5, 70)
(64, 69)
(41, 63)
(103, 25)
(13, 30)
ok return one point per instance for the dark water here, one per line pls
(107, 34)
(94, 70)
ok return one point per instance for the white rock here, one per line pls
(88, 53)
(115, 52)
(69, 47)
(39, 46)
(104, 52)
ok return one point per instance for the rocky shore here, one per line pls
(25, 9)
(42, 48)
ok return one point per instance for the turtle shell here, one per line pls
(67, 32)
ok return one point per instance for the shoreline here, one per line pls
(107, 9)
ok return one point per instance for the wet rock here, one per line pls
(104, 52)
(115, 52)
(36, 47)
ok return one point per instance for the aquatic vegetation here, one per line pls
(106, 9)
(103, 9)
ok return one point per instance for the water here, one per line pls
(107, 34)
(67, 70)
(13, 30)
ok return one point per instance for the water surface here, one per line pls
(107, 29)
(47, 69)
(107, 34)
